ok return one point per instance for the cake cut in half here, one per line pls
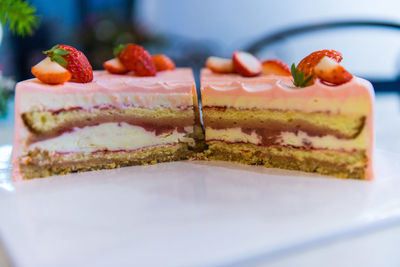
(266, 120)
(113, 121)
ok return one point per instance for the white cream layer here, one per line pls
(33, 101)
(326, 142)
(290, 139)
(232, 135)
(110, 136)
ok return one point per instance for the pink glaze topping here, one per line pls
(270, 87)
(168, 89)
(179, 80)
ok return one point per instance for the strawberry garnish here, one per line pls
(308, 63)
(275, 67)
(246, 64)
(73, 60)
(322, 64)
(220, 65)
(115, 66)
(163, 62)
(50, 72)
(136, 58)
(330, 71)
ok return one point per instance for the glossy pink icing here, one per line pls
(179, 80)
(280, 87)
(271, 87)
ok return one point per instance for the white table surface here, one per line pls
(377, 247)
(196, 213)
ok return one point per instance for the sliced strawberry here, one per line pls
(115, 66)
(220, 65)
(50, 72)
(73, 60)
(163, 62)
(275, 67)
(329, 70)
(246, 64)
(136, 58)
(308, 63)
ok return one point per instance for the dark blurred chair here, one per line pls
(266, 41)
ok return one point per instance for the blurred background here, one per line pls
(366, 32)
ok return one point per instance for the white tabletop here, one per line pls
(377, 247)
(197, 213)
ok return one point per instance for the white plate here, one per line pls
(188, 213)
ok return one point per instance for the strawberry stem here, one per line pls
(56, 54)
(117, 50)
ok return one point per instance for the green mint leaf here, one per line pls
(299, 79)
(295, 75)
(293, 70)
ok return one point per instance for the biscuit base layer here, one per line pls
(326, 162)
(42, 164)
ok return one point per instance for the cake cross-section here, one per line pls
(266, 120)
(113, 121)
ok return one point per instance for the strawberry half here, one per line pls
(115, 66)
(136, 58)
(163, 62)
(307, 64)
(220, 65)
(246, 64)
(73, 60)
(329, 70)
(275, 67)
(50, 72)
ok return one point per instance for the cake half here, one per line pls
(266, 120)
(113, 121)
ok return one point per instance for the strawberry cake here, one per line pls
(316, 117)
(71, 119)
(313, 117)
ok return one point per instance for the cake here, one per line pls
(115, 120)
(320, 120)
(315, 117)
(110, 121)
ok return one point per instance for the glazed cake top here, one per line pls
(278, 92)
(179, 80)
(168, 89)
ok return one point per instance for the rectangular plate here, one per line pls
(187, 213)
